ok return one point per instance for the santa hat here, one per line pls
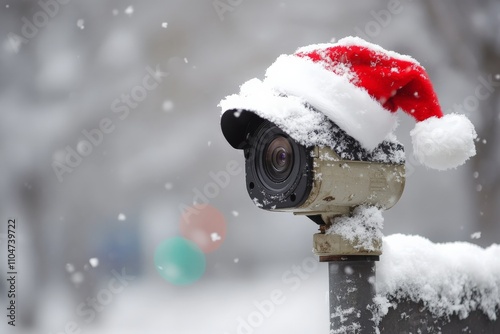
(360, 87)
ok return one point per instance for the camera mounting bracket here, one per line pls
(330, 246)
(333, 247)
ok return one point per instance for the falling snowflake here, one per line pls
(167, 105)
(77, 278)
(475, 235)
(80, 23)
(129, 10)
(70, 268)
(215, 237)
(94, 262)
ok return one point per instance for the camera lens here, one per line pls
(278, 159)
(278, 169)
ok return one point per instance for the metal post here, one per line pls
(352, 289)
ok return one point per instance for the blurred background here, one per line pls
(148, 75)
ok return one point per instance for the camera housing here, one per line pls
(319, 182)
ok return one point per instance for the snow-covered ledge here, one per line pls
(423, 287)
(437, 287)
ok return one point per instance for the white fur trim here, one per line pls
(349, 106)
(444, 143)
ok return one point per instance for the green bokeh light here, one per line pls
(179, 261)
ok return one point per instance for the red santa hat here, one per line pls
(360, 87)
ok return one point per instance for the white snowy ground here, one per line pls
(302, 311)
(208, 306)
(450, 278)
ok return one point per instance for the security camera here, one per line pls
(317, 131)
(317, 181)
(317, 134)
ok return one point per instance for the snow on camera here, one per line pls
(363, 227)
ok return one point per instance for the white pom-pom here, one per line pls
(444, 143)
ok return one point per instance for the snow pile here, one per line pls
(305, 124)
(348, 148)
(449, 279)
(363, 228)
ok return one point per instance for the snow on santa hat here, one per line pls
(359, 86)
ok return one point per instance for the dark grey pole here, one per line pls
(352, 289)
